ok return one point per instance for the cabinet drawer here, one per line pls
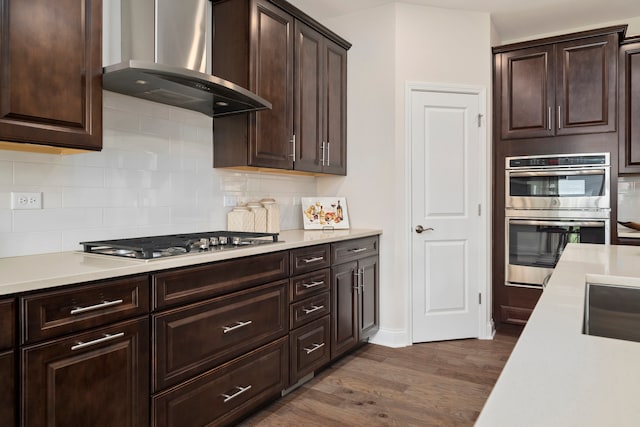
(98, 378)
(226, 393)
(309, 284)
(51, 314)
(309, 348)
(190, 340)
(198, 283)
(7, 324)
(353, 249)
(310, 258)
(310, 309)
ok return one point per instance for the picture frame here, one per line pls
(321, 213)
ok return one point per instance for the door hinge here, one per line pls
(479, 209)
(479, 298)
(479, 120)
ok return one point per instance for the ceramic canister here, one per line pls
(273, 215)
(259, 215)
(241, 218)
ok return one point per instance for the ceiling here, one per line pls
(513, 19)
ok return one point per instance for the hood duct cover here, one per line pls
(162, 46)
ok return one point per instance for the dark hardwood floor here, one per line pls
(434, 384)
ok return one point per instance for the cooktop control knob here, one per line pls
(235, 240)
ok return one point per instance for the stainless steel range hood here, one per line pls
(159, 50)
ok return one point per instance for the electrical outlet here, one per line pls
(230, 201)
(26, 200)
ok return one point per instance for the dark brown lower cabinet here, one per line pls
(99, 378)
(224, 394)
(355, 313)
(7, 388)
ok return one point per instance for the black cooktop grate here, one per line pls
(175, 244)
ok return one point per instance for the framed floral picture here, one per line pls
(324, 213)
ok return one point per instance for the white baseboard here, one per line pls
(394, 338)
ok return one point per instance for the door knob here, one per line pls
(420, 229)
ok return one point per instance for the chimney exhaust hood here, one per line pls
(159, 50)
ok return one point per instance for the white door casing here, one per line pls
(447, 197)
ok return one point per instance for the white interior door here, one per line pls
(446, 196)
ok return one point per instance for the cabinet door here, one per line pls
(586, 89)
(527, 85)
(309, 99)
(630, 109)
(271, 138)
(344, 316)
(335, 110)
(368, 313)
(98, 378)
(8, 387)
(51, 74)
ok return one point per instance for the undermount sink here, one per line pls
(612, 311)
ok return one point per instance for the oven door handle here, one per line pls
(556, 172)
(557, 223)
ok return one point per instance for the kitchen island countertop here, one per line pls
(556, 376)
(35, 272)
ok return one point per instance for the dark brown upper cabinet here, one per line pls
(552, 87)
(629, 134)
(51, 75)
(286, 57)
(320, 124)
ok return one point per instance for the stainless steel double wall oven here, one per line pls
(550, 201)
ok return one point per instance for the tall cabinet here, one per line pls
(299, 66)
(556, 95)
(51, 75)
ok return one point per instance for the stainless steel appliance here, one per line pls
(572, 181)
(551, 201)
(154, 247)
(160, 50)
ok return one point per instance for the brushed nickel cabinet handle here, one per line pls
(103, 304)
(559, 117)
(313, 348)
(328, 154)
(323, 150)
(313, 309)
(228, 397)
(238, 325)
(314, 259)
(549, 119)
(292, 141)
(313, 284)
(358, 250)
(107, 337)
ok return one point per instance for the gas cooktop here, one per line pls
(155, 247)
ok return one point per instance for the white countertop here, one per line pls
(34, 272)
(556, 376)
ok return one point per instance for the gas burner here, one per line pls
(178, 244)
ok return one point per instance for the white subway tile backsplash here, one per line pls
(29, 243)
(629, 198)
(154, 176)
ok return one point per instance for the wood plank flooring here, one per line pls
(434, 384)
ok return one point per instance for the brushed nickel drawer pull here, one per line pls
(313, 309)
(355, 251)
(228, 397)
(107, 337)
(313, 284)
(238, 325)
(103, 304)
(314, 259)
(313, 348)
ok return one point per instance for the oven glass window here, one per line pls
(542, 245)
(562, 185)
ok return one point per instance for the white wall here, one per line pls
(154, 176)
(426, 46)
